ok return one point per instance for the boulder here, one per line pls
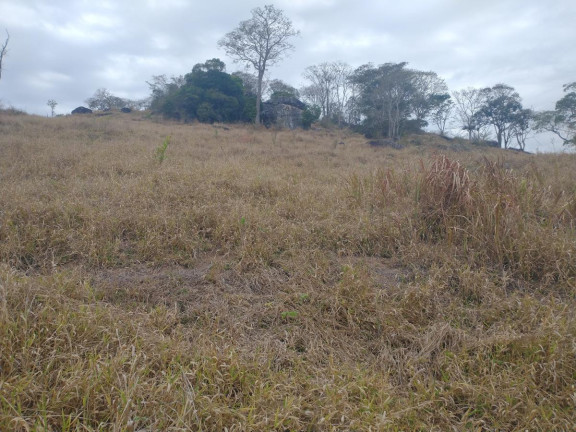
(284, 112)
(82, 110)
(288, 100)
(288, 116)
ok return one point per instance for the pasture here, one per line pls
(159, 276)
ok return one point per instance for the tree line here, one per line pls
(380, 101)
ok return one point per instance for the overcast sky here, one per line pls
(66, 49)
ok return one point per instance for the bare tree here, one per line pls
(4, 52)
(313, 95)
(468, 103)
(329, 88)
(52, 104)
(103, 100)
(523, 127)
(441, 115)
(261, 41)
(322, 78)
(249, 81)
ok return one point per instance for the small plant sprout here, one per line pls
(286, 315)
(161, 150)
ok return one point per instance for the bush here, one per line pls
(310, 115)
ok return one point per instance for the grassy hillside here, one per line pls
(278, 280)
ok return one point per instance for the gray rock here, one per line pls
(82, 110)
(283, 112)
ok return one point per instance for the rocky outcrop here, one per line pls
(284, 112)
(82, 110)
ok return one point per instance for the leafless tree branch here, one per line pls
(4, 52)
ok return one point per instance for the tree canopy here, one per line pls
(330, 89)
(501, 108)
(562, 120)
(207, 94)
(393, 99)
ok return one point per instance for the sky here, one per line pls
(67, 49)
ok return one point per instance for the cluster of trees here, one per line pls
(391, 99)
(499, 108)
(104, 100)
(329, 90)
(207, 94)
(382, 101)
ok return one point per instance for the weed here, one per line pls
(289, 314)
(160, 152)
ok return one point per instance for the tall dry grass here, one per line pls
(278, 280)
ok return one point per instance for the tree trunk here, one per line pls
(259, 96)
(499, 138)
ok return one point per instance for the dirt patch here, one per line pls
(388, 273)
(152, 285)
(212, 288)
(212, 280)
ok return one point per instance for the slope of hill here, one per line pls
(158, 276)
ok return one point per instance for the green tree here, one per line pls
(213, 95)
(384, 98)
(250, 89)
(392, 99)
(261, 41)
(501, 109)
(207, 94)
(163, 96)
(430, 92)
(562, 120)
(310, 115)
(279, 89)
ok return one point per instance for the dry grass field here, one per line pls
(258, 280)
